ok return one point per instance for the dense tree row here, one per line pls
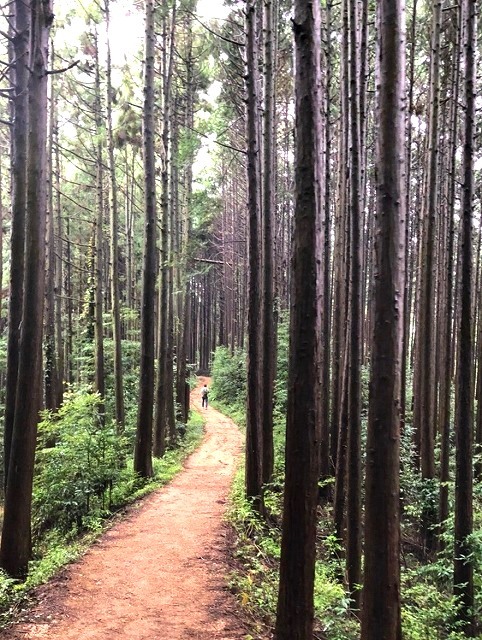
(391, 286)
(342, 191)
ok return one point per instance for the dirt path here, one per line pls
(158, 574)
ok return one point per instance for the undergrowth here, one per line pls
(428, 608)
(58, 542)
(255, 582)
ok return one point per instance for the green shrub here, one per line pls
(78, 461)
(258, 549)
(281, 382)
(427, 612)
(229, 377)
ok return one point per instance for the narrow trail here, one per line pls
(159, 573)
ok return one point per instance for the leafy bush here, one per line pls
(57, 545)
(130, 379)
(258, 549)
(229, 374)
(427, 612)
(78, 461)
(281, 382)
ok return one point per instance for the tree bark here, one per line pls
(21, 53)
(254, 434)
(114, 246)
(164, 395)
(294, 618)
(99, 241)
(381, 594)
(268, 209)
(51, 374)
(463, 556)
(143, 447)
(15, 548)
(424, 398)
(353, 491)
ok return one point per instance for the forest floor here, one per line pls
(160, 572)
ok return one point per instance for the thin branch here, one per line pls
(221, 144)
(208, 261)
(214, 33)
(70, 66)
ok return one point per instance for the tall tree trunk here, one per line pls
(114, 244)
(269, 198)
(463, 556)
(254, 434)
(424, 410)
(182, 394)
(381, 594)
(21, 48)
(99, 242)
(446, 386)
(68, 292)
(353, 544)
(59, 268)
(50, 371)
(407, 297)
(325, 358)
(15, 547)
(143, 448)
(164, 395)
(294, 618)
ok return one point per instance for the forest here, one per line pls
(285, 196)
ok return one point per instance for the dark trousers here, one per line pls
(204, 401)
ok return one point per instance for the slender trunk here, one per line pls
(164, 395)
(269, 198)
(15, 547)
(254, 436)
(143, 448)
(59, 268)
(425, 400)
(464, 561)
(353, 551)
(21, 48)
(50, 369)
(99, 241)
(381, 594)
(445, 391)
(114, 247)
(325, 470)
(406, 312)
(294, 619)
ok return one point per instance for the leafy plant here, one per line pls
(229, 374)
(78, 462)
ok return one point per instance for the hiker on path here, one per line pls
(204, 396)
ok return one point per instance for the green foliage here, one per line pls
(281, 382)
(258, 549)
(428, 613)
(84, 467)
(78, 461)
(57, 545)
(229, 377)
(130, 380)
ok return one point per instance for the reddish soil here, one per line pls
(159, 574)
